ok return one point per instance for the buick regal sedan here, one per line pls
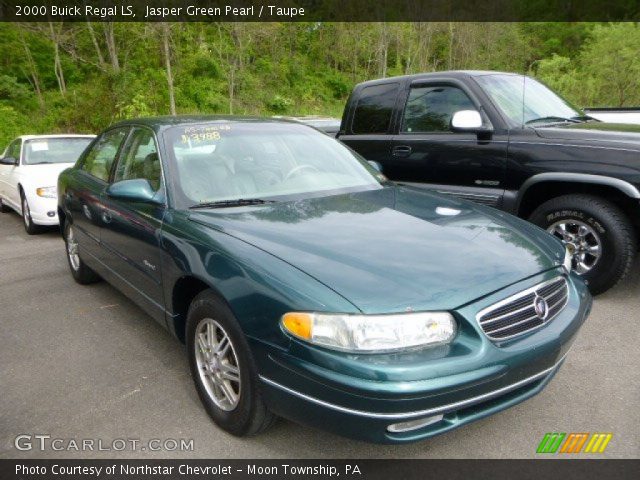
(306, 286)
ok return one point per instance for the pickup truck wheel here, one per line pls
(79, 270)
(596, 231)
(223, 369)
(30, 227)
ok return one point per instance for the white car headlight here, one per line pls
(568, 257)
(371, 333)
(47, 192)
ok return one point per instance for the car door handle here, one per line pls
(401, 151)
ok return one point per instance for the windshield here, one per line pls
(525, 100)
(222, 161)
(53, 150)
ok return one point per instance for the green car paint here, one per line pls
(382, 249)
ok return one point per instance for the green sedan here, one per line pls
(307, 286)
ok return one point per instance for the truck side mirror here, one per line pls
(468, 121)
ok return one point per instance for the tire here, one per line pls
(3, 207)
(248, 415)
(605, 223)
(79, 270)
(29, 227)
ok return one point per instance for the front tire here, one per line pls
(597, 231)
(30, 227)
(223, 369)
(79, 270)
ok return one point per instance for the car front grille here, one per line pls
(525, 311)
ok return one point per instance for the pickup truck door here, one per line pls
(427, 152)
(130, 236)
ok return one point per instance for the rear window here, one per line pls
(374, 109)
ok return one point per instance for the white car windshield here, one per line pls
(53, 150)
(227, 161)
(527, 101)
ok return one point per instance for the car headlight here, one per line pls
(47, 192)
(568, 257)
(371, 333)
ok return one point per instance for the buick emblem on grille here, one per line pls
(541, 307)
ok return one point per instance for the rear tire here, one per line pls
(241, 410)
(3, 207)
(597, 230)
(79, 270)
(30, 227)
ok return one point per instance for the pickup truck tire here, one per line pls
(589, 224)
(80, 272)
(223, 368)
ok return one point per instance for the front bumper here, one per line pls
(44, 211)
(361, 396)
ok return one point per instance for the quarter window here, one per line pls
(374, 109)
(99, 160)
(140, 159)
(429, 109)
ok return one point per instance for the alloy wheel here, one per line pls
(26, 213)
(582, 241)
(217, 363)
(72, 250)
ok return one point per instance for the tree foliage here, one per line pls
(81, 77)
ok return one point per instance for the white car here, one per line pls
(29, 170)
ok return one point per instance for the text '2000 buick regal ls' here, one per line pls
(307, 286)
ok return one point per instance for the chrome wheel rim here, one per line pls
(218, 365)
(582, 241)
(72, 250)
(26, 213)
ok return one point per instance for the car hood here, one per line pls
(397, 248)
(44, 175)
(600, 133)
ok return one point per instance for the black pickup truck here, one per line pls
(508, 141)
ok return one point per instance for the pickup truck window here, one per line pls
(430, 108)
(525, 100)
(374, 109)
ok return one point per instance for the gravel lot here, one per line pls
(84, 362)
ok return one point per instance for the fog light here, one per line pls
(413, 424)
(51, 214)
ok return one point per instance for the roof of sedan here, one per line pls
(168, 120)
(56, 135)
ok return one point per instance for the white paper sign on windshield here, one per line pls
(39, 146)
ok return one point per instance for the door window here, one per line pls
(430, 108)
(374, 109)
(140, 159)
(99, 160)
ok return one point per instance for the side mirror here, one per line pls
(137, 190)
(468, 121)
(376, 165)
(8, 161)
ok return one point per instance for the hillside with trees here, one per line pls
(81, 77)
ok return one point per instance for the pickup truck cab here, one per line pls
(507, 141)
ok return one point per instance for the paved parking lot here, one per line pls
(85, 363)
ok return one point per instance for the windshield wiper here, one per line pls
(40, 163)
(232, 203)
(553, 119)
